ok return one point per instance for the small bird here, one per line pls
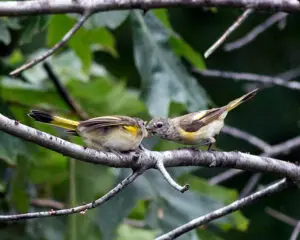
(198, 128)
(107, 133)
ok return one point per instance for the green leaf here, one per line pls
(107, 91)
(112, 19)
(10, 147)
(5, 35)
(83, 40)
(225, 195)
(126, 232)
(164, 78)
(32, 26)
(20, 196)
(179, 45)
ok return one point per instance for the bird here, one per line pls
(196, 128)
(106, 133)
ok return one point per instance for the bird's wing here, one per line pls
(108, 121)
(194, 121)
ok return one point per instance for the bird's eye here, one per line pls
(158, 125)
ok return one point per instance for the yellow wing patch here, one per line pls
(132, 129)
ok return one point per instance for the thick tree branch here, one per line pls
(57, 46)
(255, 32)
(13, 8)
(148, 159)
(249, 77)
(227, 33)
(282, 148)
(274, 188)
(63, 92)
(78, 209)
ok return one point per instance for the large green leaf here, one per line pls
(5, 35)
(179, 45)
(10, 147)
(163, 76)
(112, 19)
(83, 41)
(168, 208)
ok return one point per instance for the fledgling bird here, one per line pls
(107, 133)
(197, 128)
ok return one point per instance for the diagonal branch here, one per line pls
(13, 8)
(249, 77)
(296, 231)
(229, 31)
(255, 32)
(64, 93)
(57, 46)
(274, 188)
(78, 209)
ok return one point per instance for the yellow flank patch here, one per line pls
(188, 136)
(132, 129)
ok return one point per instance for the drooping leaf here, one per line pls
(163, 76)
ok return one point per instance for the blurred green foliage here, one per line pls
(124, 62)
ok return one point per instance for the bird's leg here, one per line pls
(210, 141)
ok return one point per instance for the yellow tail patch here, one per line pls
(64, 123)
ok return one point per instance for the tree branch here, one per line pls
(274, 188)
(296, 231)
(282, 217)
(160, 166)
(13, 8)
(227, 33)
(249, 77)
(281, 148)
(148, 159)
(251, 139)
(78, 209)
(255, 32)
(58, 45)
(64, 93)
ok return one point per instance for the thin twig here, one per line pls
(282, 148)
(255, 32)
(296, 231)
(160, 166)
(78, 209)
(64, 93)
(236, 205)
(230, 30)
(282, 217)
(58, 45)
(249, 77)
(253, 140)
